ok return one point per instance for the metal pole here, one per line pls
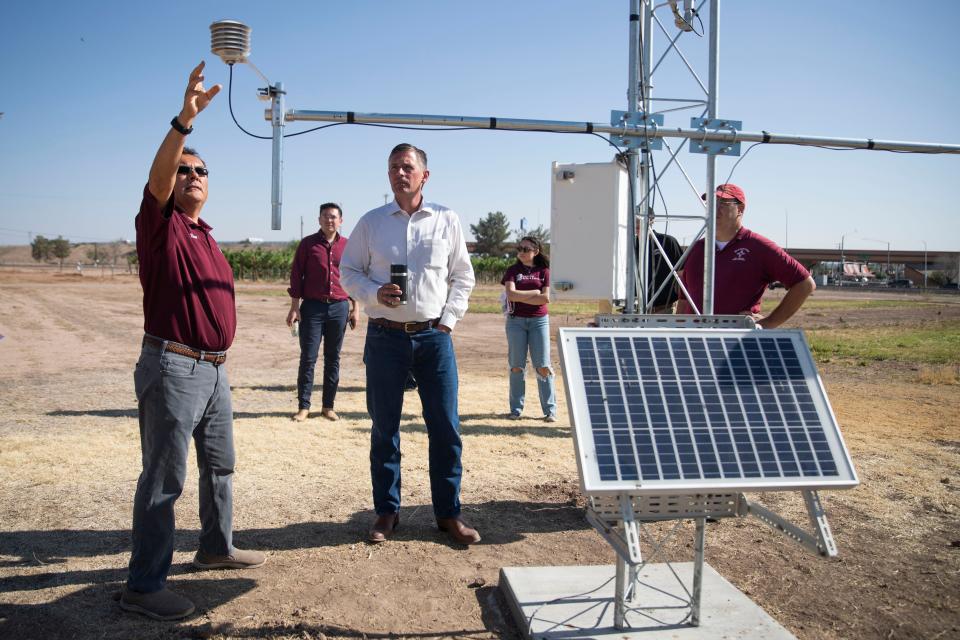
(646, 62)
(924, 264)
(633, 105)
(843, 261)
(698, 546)
(710, 244)
(620, 594)
(786, 229)
(642, 130)
(276, 188)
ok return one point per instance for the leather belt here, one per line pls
(406, 327)
(328, 299)
(215, 357)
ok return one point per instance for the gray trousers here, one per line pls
(180, 397)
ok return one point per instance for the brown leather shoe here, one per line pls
(458, 530)
(383, 527)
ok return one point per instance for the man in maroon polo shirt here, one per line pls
(746, 263)
(181, 384)
(324, 312)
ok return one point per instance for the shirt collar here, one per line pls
(393, 208)
(200, 222)
(323, 239)
(739, 235)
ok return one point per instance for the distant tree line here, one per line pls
(260, 263)
(492, 234)
(43, 249)
(275, 264)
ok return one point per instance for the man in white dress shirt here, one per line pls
(411, 336)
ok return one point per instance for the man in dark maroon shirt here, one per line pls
(746, 263)
(325, 312)
(181, 384)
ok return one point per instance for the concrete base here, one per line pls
(577, 602)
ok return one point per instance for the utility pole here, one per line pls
(888, 251)
(786, 228)
(301, 227)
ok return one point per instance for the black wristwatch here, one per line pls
(179, 128)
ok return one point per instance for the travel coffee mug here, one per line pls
(398, 276)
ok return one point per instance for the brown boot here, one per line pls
(458, 530)
(383, 527)
(301, 415)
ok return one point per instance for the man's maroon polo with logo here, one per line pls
(187, 282)
(743, 269)
(315, 274)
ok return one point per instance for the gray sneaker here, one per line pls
(238, 559)
(159, 605)
(550, 418)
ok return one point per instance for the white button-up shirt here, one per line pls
(430, 242)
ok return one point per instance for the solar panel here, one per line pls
(700, 409)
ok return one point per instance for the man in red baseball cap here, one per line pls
(746, 263)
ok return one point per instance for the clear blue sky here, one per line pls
(89, 88)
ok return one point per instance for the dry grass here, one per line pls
(942, 374)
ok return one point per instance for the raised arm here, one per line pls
(163, 171)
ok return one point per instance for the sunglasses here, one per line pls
(185, 170)
(525, 249)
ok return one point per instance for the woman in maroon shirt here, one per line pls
(527, 288)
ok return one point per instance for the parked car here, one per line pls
(903, 283)
(952, 286)
(776, 284)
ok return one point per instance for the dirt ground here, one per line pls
(69, 460)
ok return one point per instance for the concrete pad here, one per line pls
(577, 602)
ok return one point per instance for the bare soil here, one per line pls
(69, 460)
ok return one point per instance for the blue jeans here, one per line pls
(179, 397)
(320, 321)
(531, 334)
(388, 355)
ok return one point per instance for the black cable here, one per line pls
(690, 24)
(739, 160)
(230, 104)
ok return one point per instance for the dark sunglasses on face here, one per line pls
(185, 170)
(525, 249)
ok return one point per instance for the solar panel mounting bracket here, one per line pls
(822, 544)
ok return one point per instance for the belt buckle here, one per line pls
(410, 327)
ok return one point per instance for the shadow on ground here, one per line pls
(292, 388)
(39, 560)
(499, 521)
(94, 612)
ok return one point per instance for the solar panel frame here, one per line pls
(713, 413)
